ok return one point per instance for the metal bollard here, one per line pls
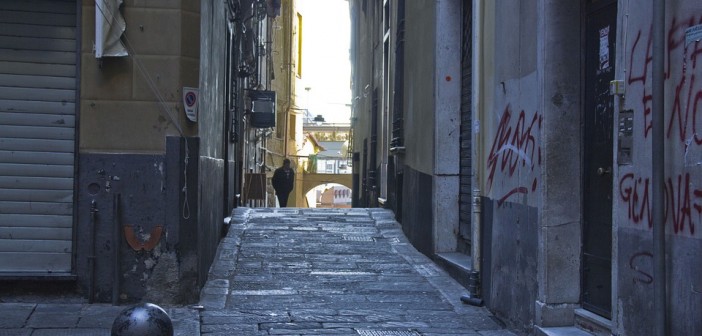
(145, 319)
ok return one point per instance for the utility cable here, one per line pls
(162, 103)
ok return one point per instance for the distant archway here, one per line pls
(313, 180)
(329, 195)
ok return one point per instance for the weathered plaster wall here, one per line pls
(558, 271)
(120, 111)
(362, 87)
(683, 178)
(420, 77)
(509, 126)
(211, 131)
(432, 123)
(512, 130)
(417, 210)
(124, 127)
(140, 180)
(510, 254)
(447, 124)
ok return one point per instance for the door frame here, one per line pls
(588, 7)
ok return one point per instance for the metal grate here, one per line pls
(358, 238)
(366, 332)
(340, 273)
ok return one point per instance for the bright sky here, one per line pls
(326, 68)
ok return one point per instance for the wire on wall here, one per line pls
(162, 103)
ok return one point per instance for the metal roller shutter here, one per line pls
(37, 135)
(466, 192)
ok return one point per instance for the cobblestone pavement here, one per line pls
(331, 272)
(289, 272)
(78, 319)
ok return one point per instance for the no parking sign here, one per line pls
(190, 96)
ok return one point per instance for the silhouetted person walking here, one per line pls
(283, 180)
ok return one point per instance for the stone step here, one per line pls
(458, 265)
(561, 331)
(586, 324)
(593, 323)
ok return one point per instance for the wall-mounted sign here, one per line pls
(693, 34)
(190, 97)
(604, 48)
(262, 108)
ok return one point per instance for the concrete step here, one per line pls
(458, 265)
(561, 331)
(593, 323)
(586, 324)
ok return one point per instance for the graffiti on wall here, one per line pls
(640, 262)
(687, 99)
(515, 148)
(683, 202)
(683, 126)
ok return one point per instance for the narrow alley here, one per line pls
(293, 271)
(331, 272)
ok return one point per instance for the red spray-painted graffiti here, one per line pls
(687, 101)
(514, 147)
(683, 204)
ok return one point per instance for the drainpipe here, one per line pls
(658, 173)
(287, 46)
(474, 297)
(91, 255)
(116, 250)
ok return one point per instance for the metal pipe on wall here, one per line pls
(117, 244)
(658, 169)
(91, 255)
(288, 68)
(475, 297)
(476, 215)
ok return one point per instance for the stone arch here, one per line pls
(313, 180)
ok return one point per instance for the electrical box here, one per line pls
(626, 134)
(616, 87)
(262, 108)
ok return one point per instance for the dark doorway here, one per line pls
(600, 39)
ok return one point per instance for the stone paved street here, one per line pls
(331, 272)
(293, 272)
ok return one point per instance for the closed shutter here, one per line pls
(466, 175)
(37, 134)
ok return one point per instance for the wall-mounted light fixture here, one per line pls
(319, 119)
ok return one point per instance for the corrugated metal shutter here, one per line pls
(465, 197)
(37, 132)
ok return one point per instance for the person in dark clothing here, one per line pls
(283, 180)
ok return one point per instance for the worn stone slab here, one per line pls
(326, 318)
(333, 272)
(212, 301)
(15, 332)
(231, 329)
(15, 315)
(52, 319)
(71, 332)
(98, 316)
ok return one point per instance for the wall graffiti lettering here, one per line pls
(515, 147)
(638, 261)
(683, 202)
(687, 102)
